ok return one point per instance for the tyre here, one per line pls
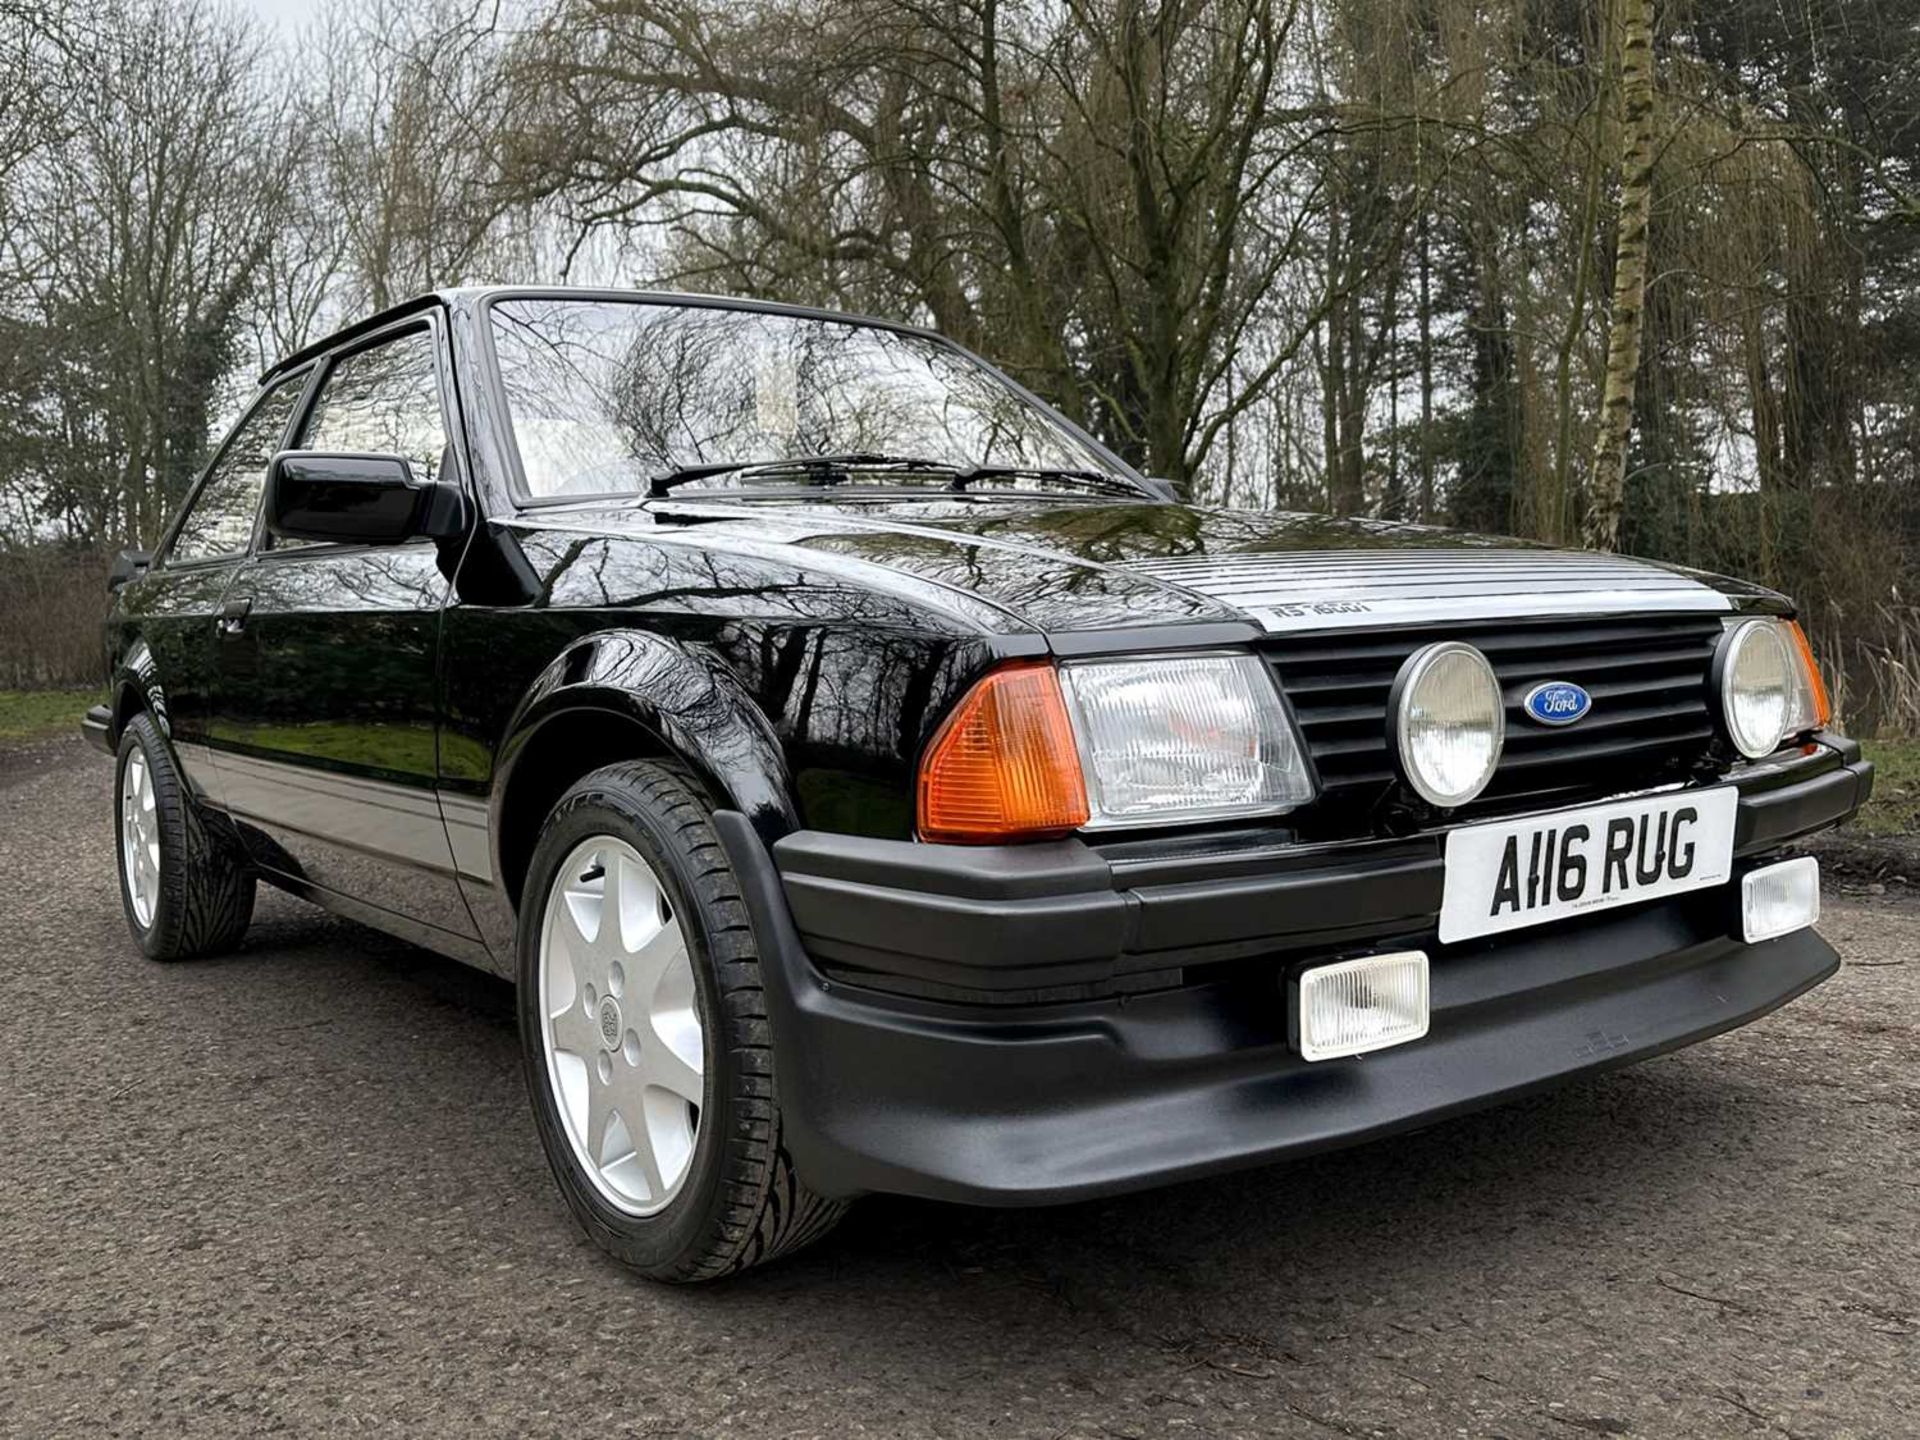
(185, 890)
(644, 1030)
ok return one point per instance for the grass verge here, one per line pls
(38, 714)
(1894, 809)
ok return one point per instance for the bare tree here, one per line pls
(1607, 487)
(1355, 254)
(36, 47)
(400, 126)
(142, 228)
(1093, 192)
(34, 39)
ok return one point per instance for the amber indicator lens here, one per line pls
(1817, 708)
(1003, 766)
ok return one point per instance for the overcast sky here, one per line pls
(285, 15)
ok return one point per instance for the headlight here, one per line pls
(1769, 686)
(1171, 739)
(1449, 722)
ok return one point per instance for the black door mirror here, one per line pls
(359, 500)
(128, 566)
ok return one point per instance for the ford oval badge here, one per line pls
(1557, 702)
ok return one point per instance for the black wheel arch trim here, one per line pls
(694, 709)
(136, 686)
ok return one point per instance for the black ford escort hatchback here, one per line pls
(873, 784)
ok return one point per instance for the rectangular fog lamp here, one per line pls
(1359, 1005)
(1778, 899)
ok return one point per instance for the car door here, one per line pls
(325, 720)
(174, 610)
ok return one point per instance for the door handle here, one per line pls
(233, 616)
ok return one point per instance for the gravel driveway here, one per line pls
(297, 1190)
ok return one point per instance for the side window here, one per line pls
(384, 399)
(220, 520)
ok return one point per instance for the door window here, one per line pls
(383, 400)
(219, 520)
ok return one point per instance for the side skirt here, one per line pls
(414, 932)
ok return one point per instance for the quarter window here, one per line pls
(383, 400)
(219, 521)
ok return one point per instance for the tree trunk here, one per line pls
(1426, 371)
(1604, 501)
(1764, 400)
(1577, 311)
(1395, 505)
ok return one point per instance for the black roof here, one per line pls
(463, 295)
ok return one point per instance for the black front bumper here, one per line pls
(1050, 1023)
(97, 726)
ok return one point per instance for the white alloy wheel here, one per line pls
(139, 839)
(624, 1045)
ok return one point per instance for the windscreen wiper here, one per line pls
(1046, 475)
(818, 469)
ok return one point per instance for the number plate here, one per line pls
(1515, 873)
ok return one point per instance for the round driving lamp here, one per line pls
(1448, 722)
(1756, 680)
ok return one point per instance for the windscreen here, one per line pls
(606, 396)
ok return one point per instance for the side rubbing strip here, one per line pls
(374, 817)
(466, 819)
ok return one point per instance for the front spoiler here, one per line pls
(993, 1103)
(1073, 1102)
(97, 726)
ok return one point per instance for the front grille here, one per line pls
(1650, 721)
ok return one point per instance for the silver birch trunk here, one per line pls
(1602, 528)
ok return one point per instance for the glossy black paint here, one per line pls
(161, 648)
(324, 726)
(797, 696)
(386, 720)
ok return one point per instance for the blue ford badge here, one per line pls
(1557, 702)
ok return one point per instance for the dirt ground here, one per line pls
(297, 1191)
